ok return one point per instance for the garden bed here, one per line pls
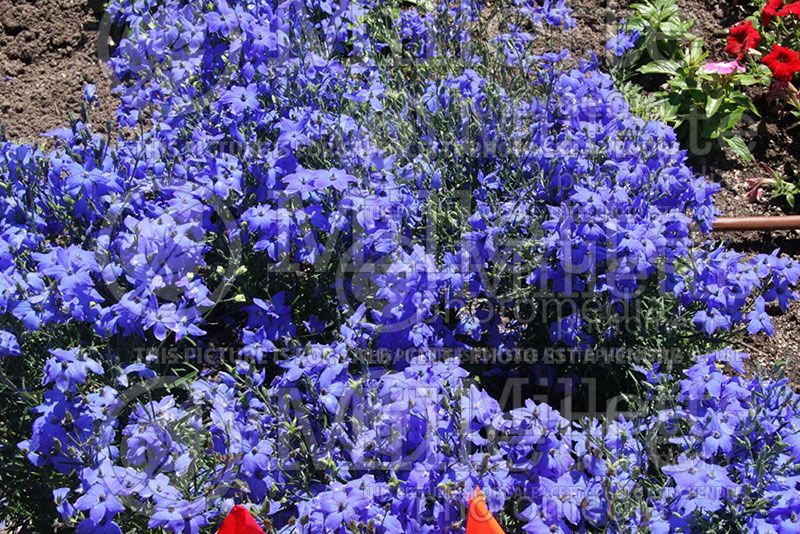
(49, 50)
(320, 273)
(775, 145)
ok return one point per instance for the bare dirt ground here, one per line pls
(47, 54)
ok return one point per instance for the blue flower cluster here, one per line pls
(323, 449)
(737, 445)
(310, 181)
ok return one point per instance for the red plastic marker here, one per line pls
(239, 521)
(479, 519)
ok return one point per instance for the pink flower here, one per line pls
(723, 67)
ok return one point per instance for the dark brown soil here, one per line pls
(47, 54)
(596, 23)
(711, 20)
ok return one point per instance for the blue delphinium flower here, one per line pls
(700, 485)
(99, 504)
(561, 499)
(65, 509)
(179, 516)
(67, 368)
(716, 434)
(90, 93)
(622, 42)
(240, 99)
(9, 345)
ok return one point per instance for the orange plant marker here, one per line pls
(479, 519)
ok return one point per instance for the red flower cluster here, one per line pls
(775, 8)
(791, 9)
(742, 38)
(783, 62)
(770, 11)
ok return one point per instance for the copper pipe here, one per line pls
(745, 224)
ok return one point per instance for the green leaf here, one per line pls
(695, 53)
(733, 119)
(662, 66)
(424, 4)
(712, 105)
(738, 147)
(747, 79)
(675, 28)
(678, 83)
(790, 199)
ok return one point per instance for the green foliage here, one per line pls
(706, 108)
(789, 191)
(26, 491)
(782, 187)
(661, 30)
(645, 105)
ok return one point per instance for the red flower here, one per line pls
(770, 10)
(791, 9)
(783, 62)
(239, 521)
(742, 38)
